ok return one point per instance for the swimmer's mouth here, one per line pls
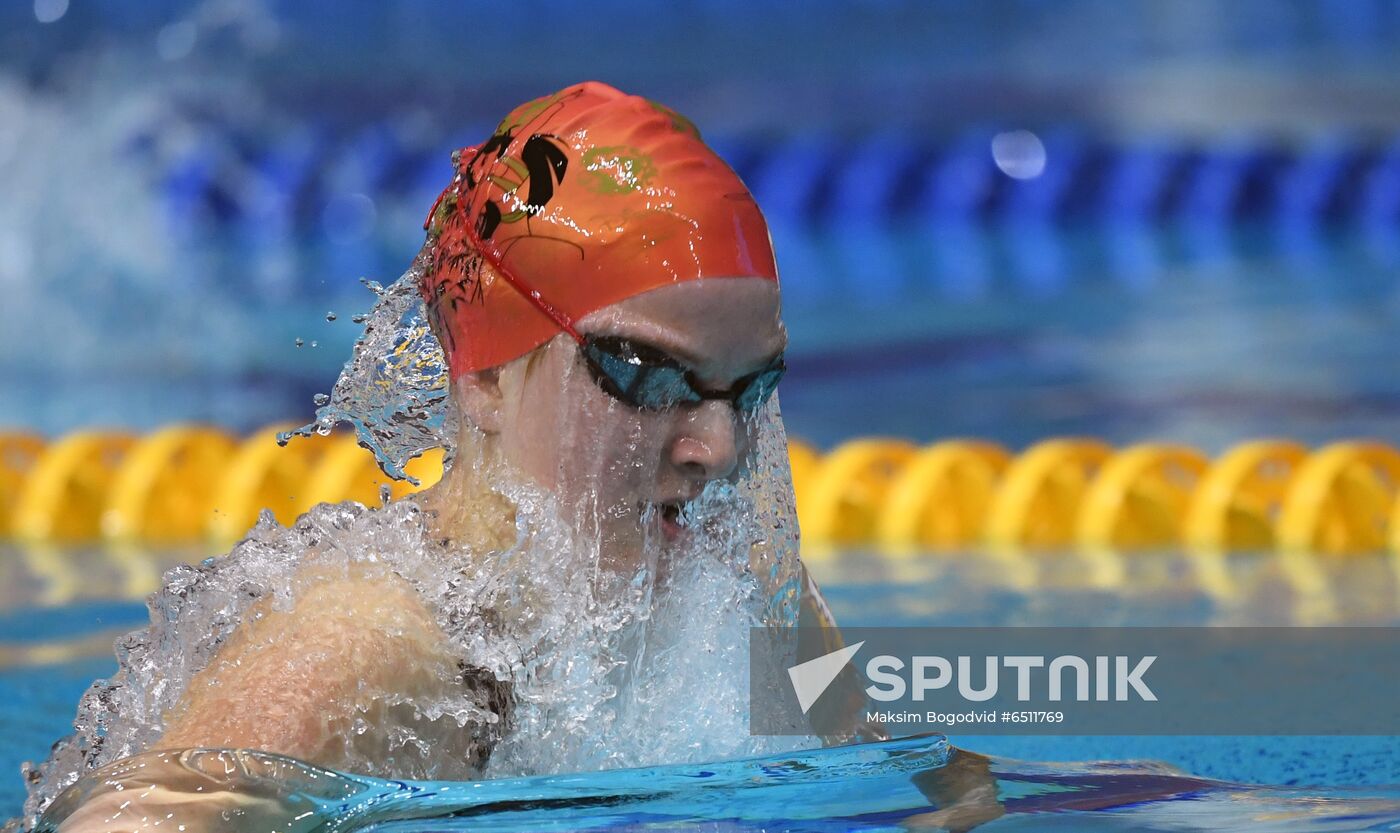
(671, 517)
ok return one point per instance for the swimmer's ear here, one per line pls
(479, 398)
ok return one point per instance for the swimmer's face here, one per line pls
(623, 473)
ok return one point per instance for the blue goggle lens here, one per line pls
(651, 380)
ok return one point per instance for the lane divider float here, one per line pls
(200, 487)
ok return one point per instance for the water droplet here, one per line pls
(1019, 154)
(321, 398)
(315, 344)
(359, 319)
(300, 342)
(330, 316)
(48, 11)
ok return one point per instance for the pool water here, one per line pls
(49, 655)
(904, 784)
(1010, 334)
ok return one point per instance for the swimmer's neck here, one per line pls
(466, 509)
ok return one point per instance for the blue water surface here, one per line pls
(37, 701)
(908, 784)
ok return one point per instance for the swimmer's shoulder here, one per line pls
(286, 675)
(344, 605)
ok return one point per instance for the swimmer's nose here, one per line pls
(706, 446)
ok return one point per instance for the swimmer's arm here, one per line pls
(963, 794)
(287, 682)
(194, 791)
(814, 612)
(815, 616)
(294, 682)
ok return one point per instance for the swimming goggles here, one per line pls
(640, 375)
(648, 378)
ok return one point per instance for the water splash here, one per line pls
(393, 391)
(564, 641)
(553, 658)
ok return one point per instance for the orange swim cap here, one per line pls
(579, 200)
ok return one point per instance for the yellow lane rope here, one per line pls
(16, 655)
(189, 485)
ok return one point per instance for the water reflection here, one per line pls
(1106, 588)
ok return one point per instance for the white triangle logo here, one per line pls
(811, 678)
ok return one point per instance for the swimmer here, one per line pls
(606, 296)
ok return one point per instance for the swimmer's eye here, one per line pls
(652, 380)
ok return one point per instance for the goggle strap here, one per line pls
(528, 292)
